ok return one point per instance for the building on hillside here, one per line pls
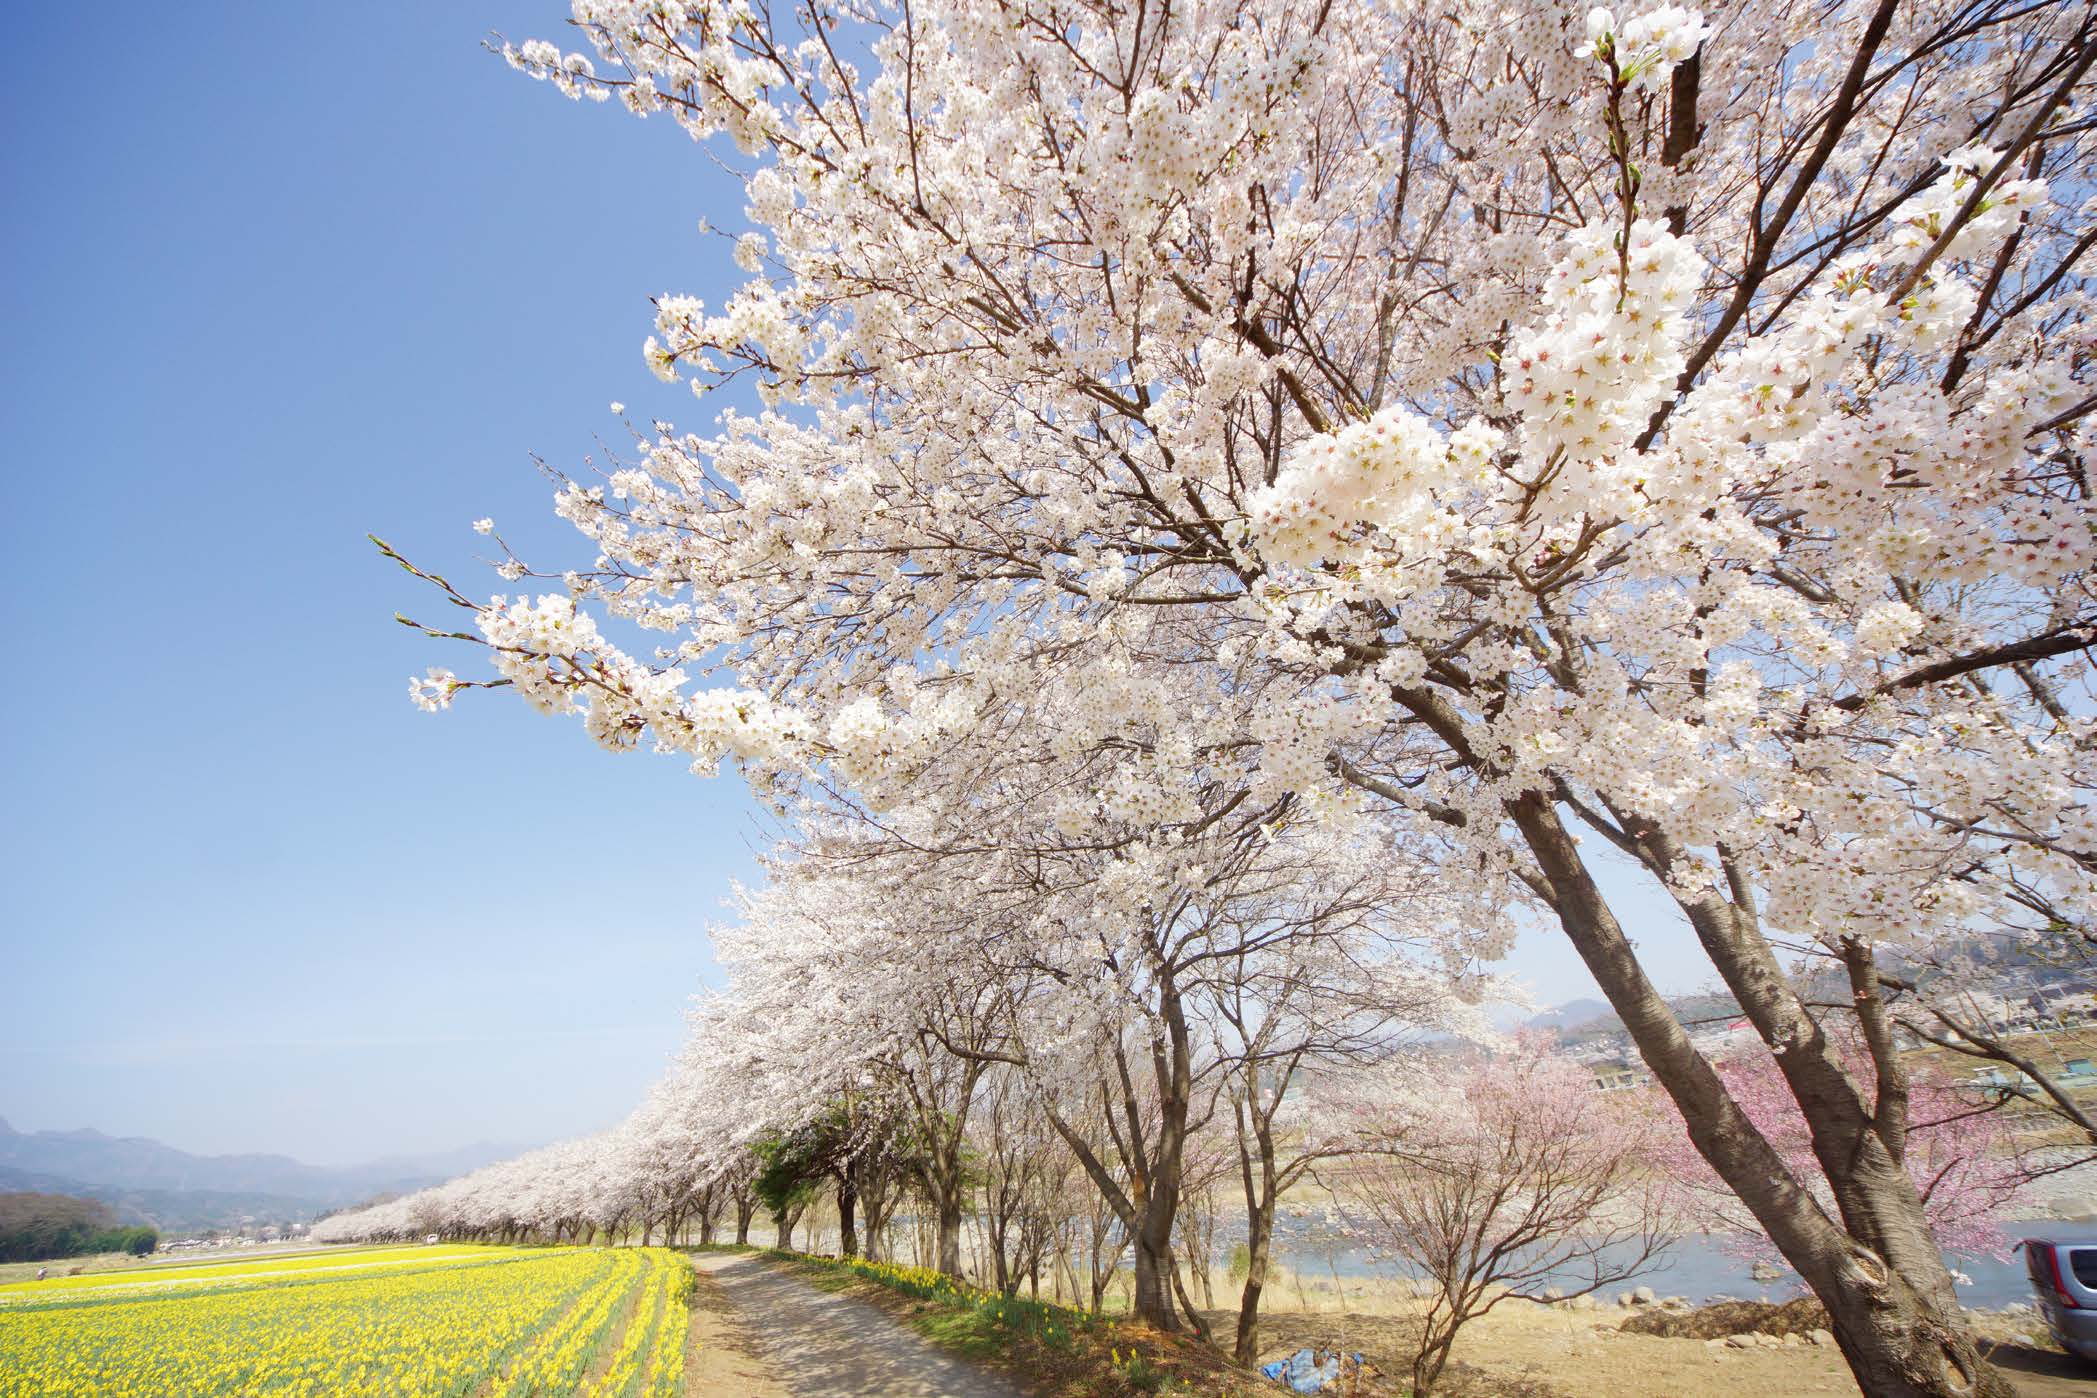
(1619, 1076)
(1725, 1039)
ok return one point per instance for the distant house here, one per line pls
(1620, 1077)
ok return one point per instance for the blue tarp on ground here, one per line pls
(1303, 1373)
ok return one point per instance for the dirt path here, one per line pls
(2040, 1373)
(775, 1334)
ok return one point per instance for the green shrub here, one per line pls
(36, 1226)
(1053, 1325)
(1140, 1374)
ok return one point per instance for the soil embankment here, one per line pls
(1524, 1350)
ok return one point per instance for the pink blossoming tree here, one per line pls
(1955, 1150)
(1498, 1179)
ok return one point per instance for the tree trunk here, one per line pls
(1885, 1287)
(874, 1184)
(1154, 1274)
(1147, 1210)
(847, 1200)
(1102, 1267)
(1000, 1271)
(997, 1221)
(1247, 1348)
(949, 1216)
(709, 1210)
(1431, 1360)
(876, 1223)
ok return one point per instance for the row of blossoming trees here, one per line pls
(1027, 1053)
(1371, 466)
(1011, 1125)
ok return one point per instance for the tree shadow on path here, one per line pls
(2043, 1373)
(814, 1342)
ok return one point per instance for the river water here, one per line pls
(1700, 1267)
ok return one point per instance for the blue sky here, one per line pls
(276, 276)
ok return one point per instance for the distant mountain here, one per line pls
(174, 1189)
(443, 1164)
(2000, 965)
(139, 1163)
(1579, 1023)
(1571, 1015)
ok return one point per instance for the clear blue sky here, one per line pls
(275, 276)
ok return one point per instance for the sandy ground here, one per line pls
(1520, 1348)
(764, 1333)
(720, 1356)
(1525, 1348)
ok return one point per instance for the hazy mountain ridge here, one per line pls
(1580, 1022)
(1571, 1015)
(1985, 963)
(157, 1183)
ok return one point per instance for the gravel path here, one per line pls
(815, 1344)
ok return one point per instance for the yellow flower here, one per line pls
(435, 1322)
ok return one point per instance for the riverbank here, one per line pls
(1705, 1267)
(1521, 1349)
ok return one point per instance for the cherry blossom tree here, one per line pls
(1667, 425)
(860, 987)
(1301, 953)
(1289, 1025)
(685, 1151)
(1025, 1172)
(1954, 1148)
(1497, 1179)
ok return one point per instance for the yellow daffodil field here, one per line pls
(458, 1323)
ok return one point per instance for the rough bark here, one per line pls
(1153, 1267)
(784, 1225)
(875, 1192)
(949, 1226)
(847, 1209)
(745, 1211)
(1877, 1271)
(1246, 1349)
